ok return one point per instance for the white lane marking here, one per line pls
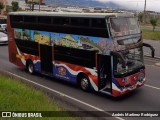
(152, 87)
(64, 95)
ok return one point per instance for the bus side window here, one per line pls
(98, 23)
(80, 22)
(30, 19)
(61, 20)
(17, 18)
(44, 20)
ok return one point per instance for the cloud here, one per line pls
(152, 5)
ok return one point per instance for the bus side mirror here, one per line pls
(151, 47)
(153, 54)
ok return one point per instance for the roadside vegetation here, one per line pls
(153, 21)
(1, 6)
(17, 96)
(151, 35)
(15, 6)
(150, 25)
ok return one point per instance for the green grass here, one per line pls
(17, 96)
(142, 24)
(149, 34)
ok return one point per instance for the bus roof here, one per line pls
(69, 14)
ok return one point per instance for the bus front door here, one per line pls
(104, 73)
(46, 59)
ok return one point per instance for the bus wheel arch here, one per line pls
(83, 81)
(30, 66)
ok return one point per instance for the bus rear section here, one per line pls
(83, 49)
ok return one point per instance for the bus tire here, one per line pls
(84, 83)
(30, 67)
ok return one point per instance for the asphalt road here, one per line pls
(146, 98)
(155, 44)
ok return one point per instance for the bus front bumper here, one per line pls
(121, 86)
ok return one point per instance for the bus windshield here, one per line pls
(133, 61)
(124, 26)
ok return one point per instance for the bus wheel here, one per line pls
(84, 83)
(30, 67)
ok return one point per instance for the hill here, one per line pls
(81, 3)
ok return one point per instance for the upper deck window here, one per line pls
(61, 20)
(30, 19)
(99, 23)
(44, 20)
(85, 22)
(62, 24)
(124, 26)
(17, 18)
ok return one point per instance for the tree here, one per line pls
(1, 6)
(140, 17)
(15, 6)
(153, 21)
(8, 9)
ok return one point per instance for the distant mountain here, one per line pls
(81, 3)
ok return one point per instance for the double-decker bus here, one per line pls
(101, 52)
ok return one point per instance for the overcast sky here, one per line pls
(152, 5)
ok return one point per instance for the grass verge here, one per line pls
(150, 35)
(17, 96)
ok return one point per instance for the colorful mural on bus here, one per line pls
(103, 45)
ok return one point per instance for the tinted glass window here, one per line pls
(45, 20)
(99, 23)
(17, 18)
(31, 19)
(80, 22)
(61, 20)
